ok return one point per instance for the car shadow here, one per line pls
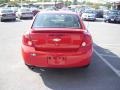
(98, 76)
(102, 20)
(113, 22)
(97, 20)
(11, 21)
(26, 19)
(17, 20)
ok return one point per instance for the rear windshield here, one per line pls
(6, 11)
(89, 11)
(56, 21)
(113, 13)
(25, 10)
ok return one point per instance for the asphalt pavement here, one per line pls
(102, 74)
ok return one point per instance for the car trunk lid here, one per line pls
(56, 39)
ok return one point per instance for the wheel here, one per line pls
(1, 20)
(105, 20)
(109, 21)
(13, 19)
(19, 17)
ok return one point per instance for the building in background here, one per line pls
(50, 4)
(116, 5)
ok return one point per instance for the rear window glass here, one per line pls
(114, 12)
(7, 11)
(57, 21)
(25, 10)
(89, 11)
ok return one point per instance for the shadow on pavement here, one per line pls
(110, 56)
(102, 20)
(26, 18)
(11, 21)
(97, 20)
(17, 20)
(98, 76)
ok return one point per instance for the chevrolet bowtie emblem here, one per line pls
(56, 39)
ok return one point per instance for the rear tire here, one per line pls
(105, 20)
(19, 17)
(1, 20)
(13, 19)
(109, 21)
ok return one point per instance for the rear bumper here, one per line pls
(90, 18)
(117, 19)
(39, 58)
(26, 16)
(8, 18)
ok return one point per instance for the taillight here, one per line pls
(86, 44)
(87, 40)
(26, 40)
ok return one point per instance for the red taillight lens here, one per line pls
(86, 44)
(26, 40)
(87, 41)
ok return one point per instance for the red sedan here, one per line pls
(57, 40)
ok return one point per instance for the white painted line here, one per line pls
(108, 45)
(106, 62)
(109, 55)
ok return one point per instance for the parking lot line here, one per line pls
(109, 45)
(117, 72)
(109, 55)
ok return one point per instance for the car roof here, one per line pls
(1, 9)
(4, 8)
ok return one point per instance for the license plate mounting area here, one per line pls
(56, 60)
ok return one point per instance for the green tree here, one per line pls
(68, 3)
(75, 2)
(1, 1)
(43, 0)
(108, 5)
(47, 0)
(6, 1)
(60, 0)
(39, 0)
